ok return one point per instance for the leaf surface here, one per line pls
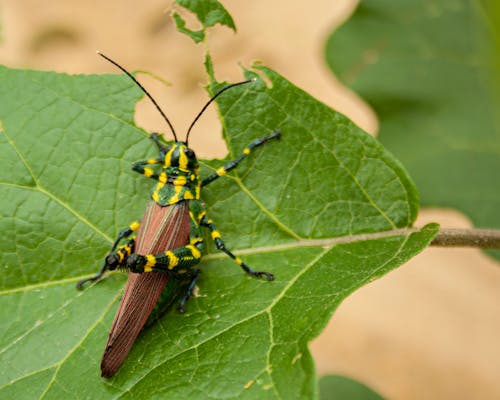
(431, 73)
(341, 387)
(321, 209)
(208, 13)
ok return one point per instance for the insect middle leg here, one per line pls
(189, 290)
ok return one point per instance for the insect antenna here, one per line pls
(211, 100)
(143, 89)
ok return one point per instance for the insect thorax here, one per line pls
(175, 185)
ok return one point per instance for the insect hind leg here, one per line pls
(94, 278)
(114, 258)
(219, 243)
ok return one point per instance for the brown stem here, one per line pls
(481, 238)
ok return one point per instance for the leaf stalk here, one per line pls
(480, 238)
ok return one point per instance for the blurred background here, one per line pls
(427, 330)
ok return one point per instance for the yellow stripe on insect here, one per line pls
(134, 226)
(152, 161)
(238, 260)
(194, 251)
(159, 185)
(174, 199)
(150, 263)
(177, 196)
(180, 181)
(148, 172)
(168, 157)
(183, 160)
(215, 235)
(221, 171)
(163, 177)
(195, 240)
(247, 151)
(156, 197)
(173, 259)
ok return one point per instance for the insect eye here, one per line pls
(189, 153)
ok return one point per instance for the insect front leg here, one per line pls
(234, 163)
(219, 243)
(143, 167)
(116, 257)
(161, 148)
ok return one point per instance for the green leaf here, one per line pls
(431, 72)
(323, 209)
(340, 387)
(197, 36)
(208, 12)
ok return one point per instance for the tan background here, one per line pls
(429, 330)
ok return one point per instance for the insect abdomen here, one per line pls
(161, 229)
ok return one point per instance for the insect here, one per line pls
(162, 250)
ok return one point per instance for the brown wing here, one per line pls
(162, 228)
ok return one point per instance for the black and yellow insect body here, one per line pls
(167, 243)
